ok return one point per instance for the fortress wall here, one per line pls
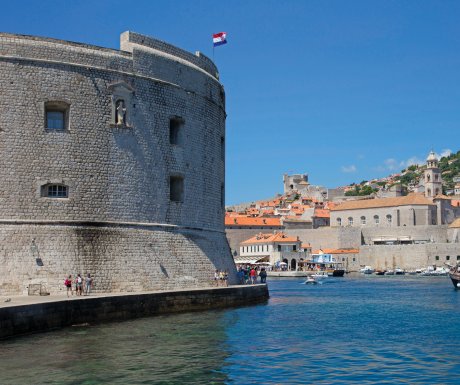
(329, 237)
(437, 234)
(121, 258)
(409, 257)
(113, 173)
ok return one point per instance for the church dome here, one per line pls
(432, 156)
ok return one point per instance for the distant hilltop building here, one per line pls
(112, 163)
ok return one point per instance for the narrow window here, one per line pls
(222, 148)
(56, 116)
(363, 220)
(175, 130)
(376, 219)
(389, 219)
(436, 258)
(458, 257)
(176, 188)
(222, 196)
(447, 257)
(339, 221)
(350, 221)
(55, 191)
(294, 248)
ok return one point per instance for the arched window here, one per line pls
(436, 177)
(55, 191)
(376, 219)
(363, 220)
(350, 221)
(339, 221)
(389, 219)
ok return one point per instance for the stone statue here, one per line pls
(121, 112)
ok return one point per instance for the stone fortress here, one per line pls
(112, 163)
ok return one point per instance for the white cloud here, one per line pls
(445, 152)
(349, 169)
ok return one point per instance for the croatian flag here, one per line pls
(219, 38)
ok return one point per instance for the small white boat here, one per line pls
(366, 270)
(320, 275)
(399, 271)
(310, 281)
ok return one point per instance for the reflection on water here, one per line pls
(350, 330)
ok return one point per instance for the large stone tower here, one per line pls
(112, 163)
(433, 182)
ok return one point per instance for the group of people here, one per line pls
(78, 282)
(221, 278)
(248, 275)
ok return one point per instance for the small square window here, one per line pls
(176, 189)
(56, 116)
(55, 120)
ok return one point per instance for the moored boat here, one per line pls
(310, 281)
(366, 270)
(454, 275)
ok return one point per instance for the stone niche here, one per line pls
(122, 114)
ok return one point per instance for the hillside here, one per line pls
(409, 178)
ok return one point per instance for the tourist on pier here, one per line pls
(263, 275)
(246, 274)
(88, 284)
(68, 285)
(240, 275)
(79, 285)
(216, 278)
(221, 278)
(253, 275)
(226, 278)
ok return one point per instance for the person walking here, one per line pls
(216, 278)
(253, 276)
(88, 284)
(68, 285)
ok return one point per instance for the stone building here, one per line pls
(273, 248)
(112, 162)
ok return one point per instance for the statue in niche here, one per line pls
(120, 112)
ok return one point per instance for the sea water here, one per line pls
(366, 330)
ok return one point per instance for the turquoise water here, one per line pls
(384, 330)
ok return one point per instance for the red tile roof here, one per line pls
(270, 238)
(248, 221)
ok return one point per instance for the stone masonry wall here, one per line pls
(114, 174)
(121, 258)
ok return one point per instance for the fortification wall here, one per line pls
(114, 172)
(329, 237)
(121, 258)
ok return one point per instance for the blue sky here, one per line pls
(341, 90)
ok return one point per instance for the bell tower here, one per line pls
(433, 182)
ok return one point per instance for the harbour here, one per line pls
(356, 329)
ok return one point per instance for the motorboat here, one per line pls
(390, 272)
(320, 275)
(399, 271)
(379, 272)
(433, 271)
(366, 270)
(310, 281)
